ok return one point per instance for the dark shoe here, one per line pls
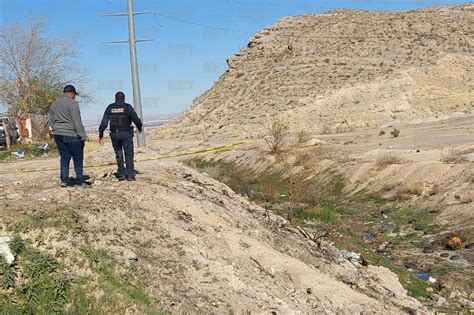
(120, 179)
(131, 178)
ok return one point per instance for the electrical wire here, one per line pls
(202, 25)
(222, 15)
(392, 37)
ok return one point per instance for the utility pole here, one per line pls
(137, 101)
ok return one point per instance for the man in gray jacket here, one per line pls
(69, 134)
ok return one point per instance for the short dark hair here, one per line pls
(119, 96)
(70, 89)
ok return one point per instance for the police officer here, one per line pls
(121, 115)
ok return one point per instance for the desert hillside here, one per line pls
(341, 71)
(185, 243)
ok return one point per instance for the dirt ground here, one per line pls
(201, 247)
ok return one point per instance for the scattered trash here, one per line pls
(351, 256)
(5, 249)
(469, 246)
(455, 243)
(429, 248)
(429, 289)
(19, 153)
(368, 237)
(410, 266)
(432, 280)
(382, 247)
(385, 210)
(44, 147)
(423, 276)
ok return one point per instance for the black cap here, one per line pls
(70, 88)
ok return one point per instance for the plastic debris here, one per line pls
(19, 153)
(423, 276)
(455, 243)
(368, 237)
(351, 256)
(432, 280)
(44, 147)
(5, 249)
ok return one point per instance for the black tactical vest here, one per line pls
(120, 118)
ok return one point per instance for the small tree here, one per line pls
(277, 132)
(34, 67)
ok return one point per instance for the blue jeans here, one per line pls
(71, 147)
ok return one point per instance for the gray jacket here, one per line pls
(65, 118)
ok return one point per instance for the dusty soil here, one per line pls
(200, 247)
(433, 155)
(427, 170)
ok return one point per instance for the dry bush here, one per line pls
(288, 159)
(454, 156)
(277, 131)
(289, 173)
(388, 159)
(314, 154)
(416, 188)
(303, 136)
(395, 133)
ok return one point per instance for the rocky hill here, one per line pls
(341, 71)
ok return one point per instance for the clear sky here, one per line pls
(185, 59)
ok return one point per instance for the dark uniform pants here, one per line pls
(122, 142)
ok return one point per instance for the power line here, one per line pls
(203, 25)
(394, 36)
(282, 5)
(223, 15)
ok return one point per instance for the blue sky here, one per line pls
(184, 60)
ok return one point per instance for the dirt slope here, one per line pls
(200, 247)
(340, 71)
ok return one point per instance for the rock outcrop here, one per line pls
(340, 71)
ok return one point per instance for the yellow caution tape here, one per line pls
(160, 157)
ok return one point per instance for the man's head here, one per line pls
(70, 91)
(120, 96)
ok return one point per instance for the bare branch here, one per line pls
(35, 65)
